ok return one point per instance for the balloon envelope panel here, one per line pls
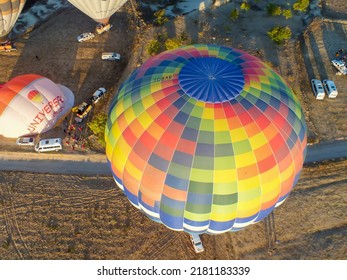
(9, 13)
(205, 139)
(99, 10)
(31, 104)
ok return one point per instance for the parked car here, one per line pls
(101, 28)
(97, 95)
(47, 145)
(83, 111)
(85, 36)
(7, 47)
(330, 88)
(110, 56)
(25, 141)
(197, 244)
(317, 88)
(340, 65)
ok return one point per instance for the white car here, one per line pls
(85, 37)
(110, 56)
(317, 88)
(330, 88)
(97, 95)
(101, 28)
(197, 244)
(25, 141)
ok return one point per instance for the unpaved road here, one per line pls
(97, 164)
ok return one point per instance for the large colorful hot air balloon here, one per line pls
(205, 139)
(31, 104)
(99, 10)
(9, 13)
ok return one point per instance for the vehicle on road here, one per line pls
(110, 56)
(25, 141)
(330, 88)
(97, 95)
(83, 111)
(101, 28)
(197, 244)
(85, 36)
(317, 88)
(48, 145)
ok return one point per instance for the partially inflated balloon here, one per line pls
(31, 104)
(205, 139)
(99, 10)
(9, 13)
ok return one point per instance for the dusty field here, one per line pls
(65, 61)
(75, 217)
(317, 48)
(87, 217)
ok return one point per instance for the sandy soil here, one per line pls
(87, 217)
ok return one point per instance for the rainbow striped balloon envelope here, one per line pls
(205, 139)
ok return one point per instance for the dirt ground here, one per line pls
(87, 217)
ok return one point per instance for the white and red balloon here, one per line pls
(32, 104)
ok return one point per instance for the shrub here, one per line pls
(273, 9)
(183, 36)
(97, 126)
(172, 43)
(153, 47)
(301, 5)
(279, 34)
(287, 13)
(234, 14)
(160, 17)
(245, 6)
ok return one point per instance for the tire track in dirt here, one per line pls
(86, 196)
(163, 243)
(11, 225)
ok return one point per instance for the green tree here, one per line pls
(301, 5)
(287, 13)
(273, 10)
(279, 34)
(234, 14)
(160, 17)
(97, 126)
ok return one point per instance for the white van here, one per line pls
(47, 145)
(330, 88)
(317, 88)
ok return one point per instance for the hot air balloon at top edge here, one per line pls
(9, 13)
(99, 10)
(32, 104)
(205, 139)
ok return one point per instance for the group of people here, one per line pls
(74, 135)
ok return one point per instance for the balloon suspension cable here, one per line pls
(270, 233)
